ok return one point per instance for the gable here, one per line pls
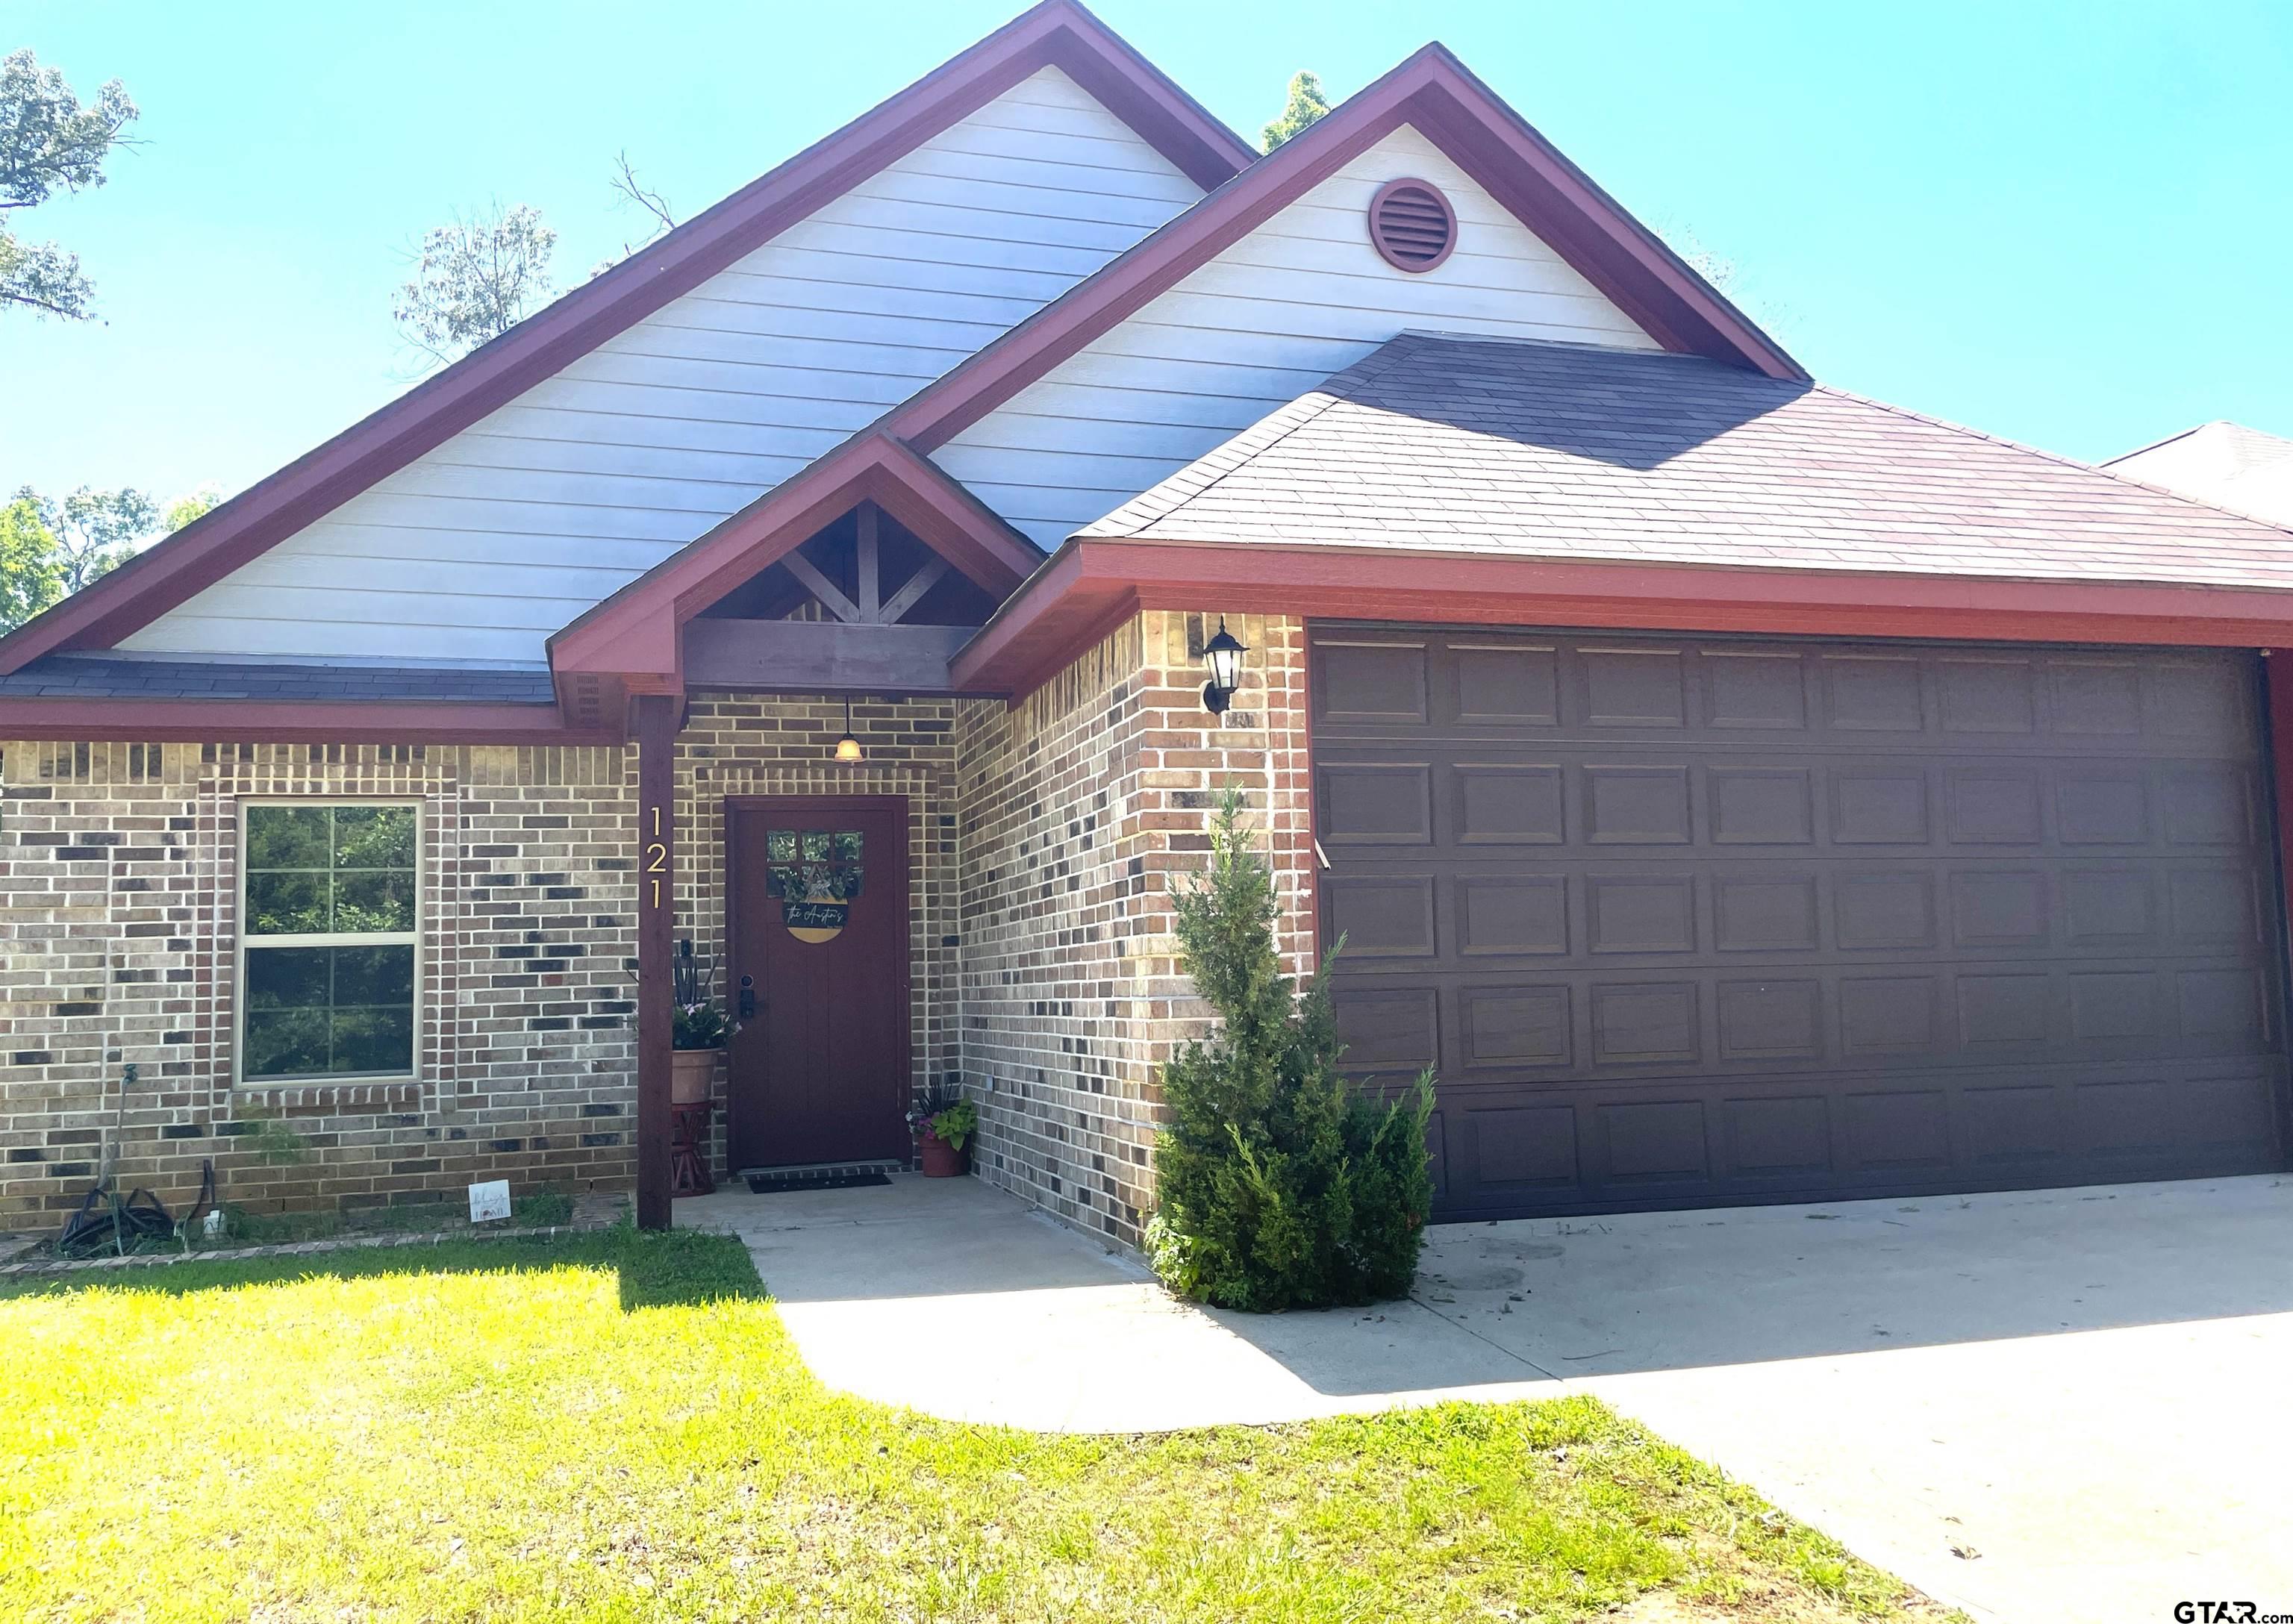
(1299, 297)
(479, 549)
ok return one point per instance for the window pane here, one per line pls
(848, 845)
(374, 838)
(284, 904)
(285, 1043)
(373, 901)
(367, 976)
(816, 845)
(373, 1040)
(286, 978)
(285, 837)
(780, 845)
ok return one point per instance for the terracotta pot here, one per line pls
(941, 1159)
(692, 1076)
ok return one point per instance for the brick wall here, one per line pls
(118, 896)
(1077, 807)
(1042, 840)
(758, 745)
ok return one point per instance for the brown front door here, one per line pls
(1679, 921)
(818, 930)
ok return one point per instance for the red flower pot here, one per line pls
(941, 1159)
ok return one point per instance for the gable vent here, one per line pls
(1411, 225)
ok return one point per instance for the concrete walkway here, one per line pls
(2052, 1405)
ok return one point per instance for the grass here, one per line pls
(540, 1208)
(615, 1426)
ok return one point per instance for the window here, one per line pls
(326, 940)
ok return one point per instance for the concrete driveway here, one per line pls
(2055, 1405)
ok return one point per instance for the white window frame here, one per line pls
(326, 939)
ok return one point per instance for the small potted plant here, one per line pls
(698, 1034)
(943, 1124)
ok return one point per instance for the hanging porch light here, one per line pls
(1223, 654)
(848, 749)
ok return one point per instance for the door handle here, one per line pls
(747, 1000)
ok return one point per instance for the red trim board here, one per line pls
(1088, 582)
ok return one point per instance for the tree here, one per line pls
(631, 193)
(1277, 1186)
(50, 144)
(1305, 106)
(192, 505)
(50, 549)
(473, 280)
(30, 579)
(95, 531)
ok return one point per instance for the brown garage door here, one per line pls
(1689, 921)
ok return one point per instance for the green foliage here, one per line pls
(272, 1141)
(30, 579)
(89, 534)
(1278, 1186)
(1306, 104)
(473, 280)
(698, 1022)
(956, 1124)
(543, 1207)
(700, 1025)
(192, 505)
(49, 143)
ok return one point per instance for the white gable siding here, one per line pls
(481, 548)
(1298, 298)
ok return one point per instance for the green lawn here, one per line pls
(615, 1426)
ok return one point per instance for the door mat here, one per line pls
(782, 1184)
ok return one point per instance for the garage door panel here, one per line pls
(1770, 1138)
(1640, 1142)
(1508, 804)
(1517, 1027)
(1766, 911)
(1502, 914)
(1748, 687)
(1636, 804)
(1506, 685)
(1771, 1019)
(1782, 921)
(1632, 687)
(1380, 916)
(1522, 1147)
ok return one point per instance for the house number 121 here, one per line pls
(656, 857)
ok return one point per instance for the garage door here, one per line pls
(1688, 922)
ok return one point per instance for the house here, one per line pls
(1734, 789)
(2223, 463)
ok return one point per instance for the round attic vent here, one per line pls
(1411, 225)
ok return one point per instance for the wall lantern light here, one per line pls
(848, 748)
(1223, 654)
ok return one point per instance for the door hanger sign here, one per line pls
(815, 875)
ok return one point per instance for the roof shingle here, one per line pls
(1540, 450)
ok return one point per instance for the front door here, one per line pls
(818, 928)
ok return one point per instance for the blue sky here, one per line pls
(2067, 224)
